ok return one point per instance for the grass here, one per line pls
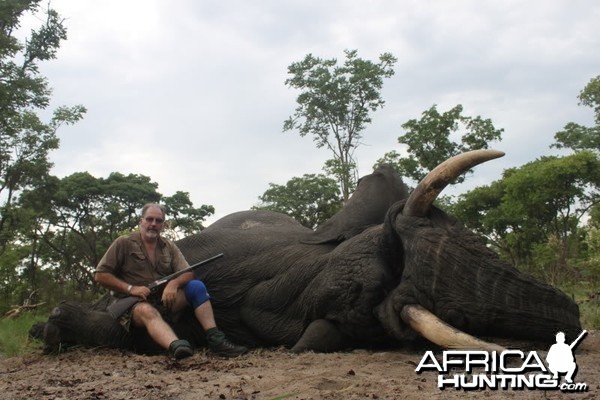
(590, 317)
(14, 334)
(586, 296)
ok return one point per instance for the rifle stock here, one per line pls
(119, 307)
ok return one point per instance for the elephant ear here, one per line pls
(367, 206)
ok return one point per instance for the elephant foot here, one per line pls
(320, 336)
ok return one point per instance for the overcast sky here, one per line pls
(191, 92)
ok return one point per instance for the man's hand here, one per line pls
(140, 291)
(169, 295)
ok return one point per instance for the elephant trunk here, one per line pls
(448, 271)
(470, 287)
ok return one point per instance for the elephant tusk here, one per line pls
(430, 187)
(437, 331)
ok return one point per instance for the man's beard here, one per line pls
(151, 234)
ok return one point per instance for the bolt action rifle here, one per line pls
(117, 308)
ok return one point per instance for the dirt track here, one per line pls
(262, 374)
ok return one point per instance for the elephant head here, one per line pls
(449, 279)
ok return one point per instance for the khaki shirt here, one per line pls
(126, 258)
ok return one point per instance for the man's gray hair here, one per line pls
(162, 208)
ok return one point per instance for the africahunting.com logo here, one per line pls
(507, 370)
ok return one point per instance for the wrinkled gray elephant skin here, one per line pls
(358, 279)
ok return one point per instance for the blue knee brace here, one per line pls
(196, 293)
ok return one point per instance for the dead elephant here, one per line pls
(385, 269)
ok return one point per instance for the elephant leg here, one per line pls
(321, 335)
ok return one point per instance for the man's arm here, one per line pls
(178, 263)
(111, 282)
(182, 279)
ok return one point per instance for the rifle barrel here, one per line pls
(174, 275)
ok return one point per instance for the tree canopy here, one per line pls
(334, 106)
(310, 199)
(25, 140)
(436, 137)
(541, 200)
(576, 136)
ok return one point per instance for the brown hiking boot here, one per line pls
(180, 349)
(227, 349)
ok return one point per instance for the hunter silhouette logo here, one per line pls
(507, 370)
(560, 357)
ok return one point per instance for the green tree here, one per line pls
(25, 140)
(534, 214)
(578, 137)
(334, 106)
(310, 199)
(590, 96)
(183, 218)
(430, 140)
(78, 217)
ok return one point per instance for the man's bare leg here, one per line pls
(204, 314)
(144, 315)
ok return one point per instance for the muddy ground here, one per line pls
(261, 374)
